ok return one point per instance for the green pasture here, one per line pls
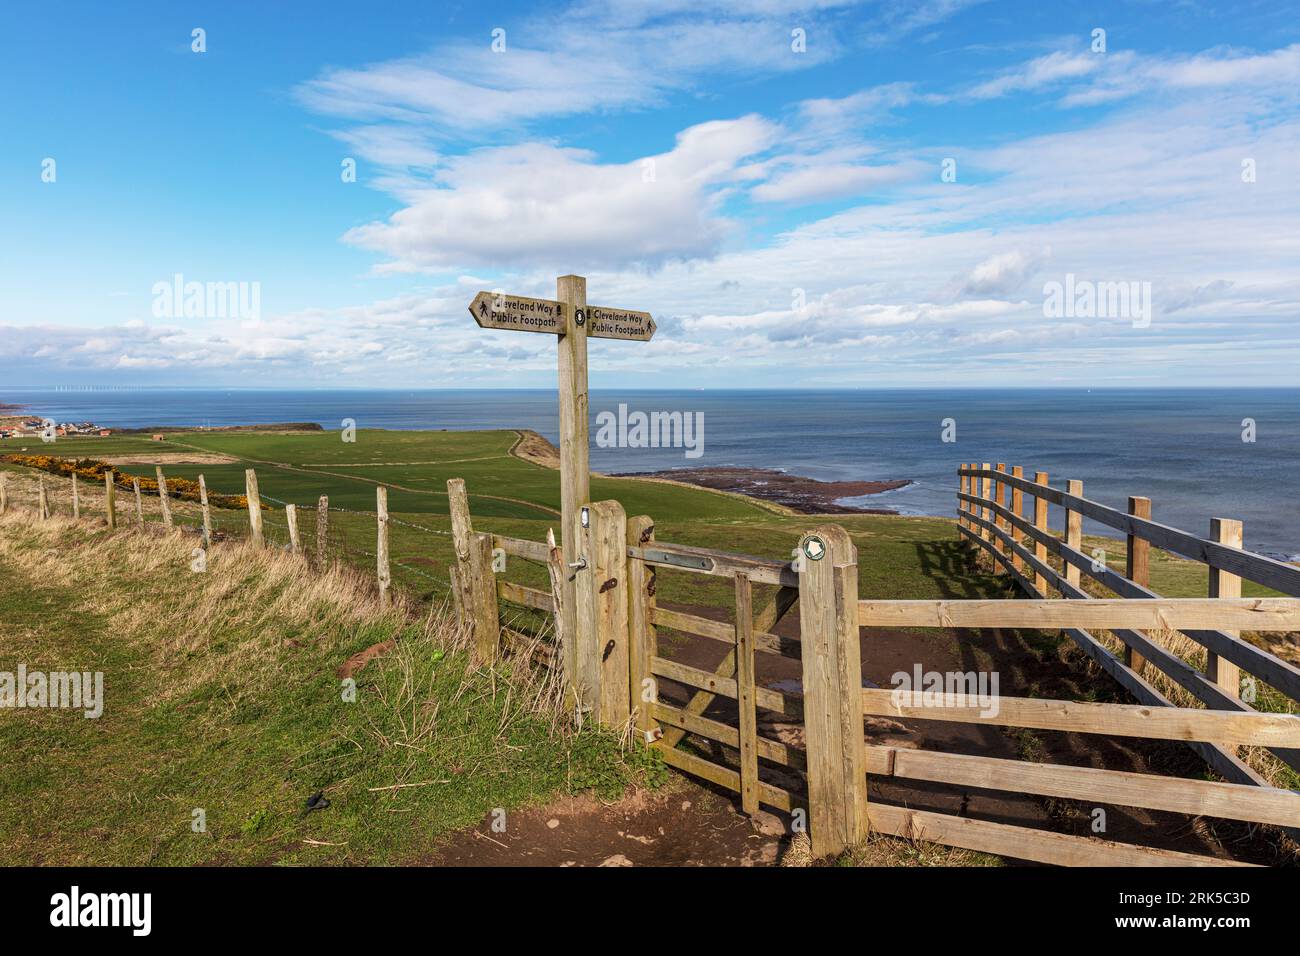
(904, 557)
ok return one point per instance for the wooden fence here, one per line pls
(255, 527)
(615, 665)
(991, 515)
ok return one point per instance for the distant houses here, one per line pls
(35, 428)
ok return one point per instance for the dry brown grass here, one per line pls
(215, 621)
(226, 623)
(23, 490)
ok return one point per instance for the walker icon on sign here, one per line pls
(814, 548)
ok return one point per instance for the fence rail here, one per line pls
(985, 520)
(1259, 568)
(1121, 720)
(1256, 614)
(1229, 801)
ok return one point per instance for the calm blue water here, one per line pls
(1181, 448)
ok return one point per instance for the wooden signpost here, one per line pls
(572, 321)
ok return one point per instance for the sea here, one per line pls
(1197, 453)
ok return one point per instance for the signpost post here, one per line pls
(572, 321)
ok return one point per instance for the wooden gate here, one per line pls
(829, 794)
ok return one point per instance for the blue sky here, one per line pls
(781, 211)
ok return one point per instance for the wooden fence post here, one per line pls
(76, 498)
(964, 488)
(110, 508)
(475, 583)
(1017, 507)
(746, 693)
(163, 501)
(381, 545)
(43, 502)
(601, 593)
(207, 514)
(4, 493)
(1073, 530)
(139, 502)
(972, 509)
(1225, 674)
(575, 469)
(291, 519)
(462, 530)
(1040, 522)
(487, 612)
(1138, 564)
(641, 632)
(832, 679)
(556, 573)
(322, 529)
(1000, 496)
(985, 492)
(254, 506)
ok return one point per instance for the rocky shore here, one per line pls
(805, 495)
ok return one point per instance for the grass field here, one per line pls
(908, 557)
(900, 556)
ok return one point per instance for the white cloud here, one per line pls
(1092, 79)
(1044, 71)
(536, 204)
(900, 19)
(830, 181)
(1000, 274)
(865, 105)
(595, 58)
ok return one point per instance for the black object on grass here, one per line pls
(317, 801)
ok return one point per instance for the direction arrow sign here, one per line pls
(496, 310)
(603, 323)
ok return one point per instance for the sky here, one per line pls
(803, 194)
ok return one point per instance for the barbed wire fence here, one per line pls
(351, 542)
(420, 558)
(350, 538)
(420, 562)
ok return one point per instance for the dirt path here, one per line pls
(683, 824)
(186, 458)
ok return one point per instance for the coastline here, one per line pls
(876, 432)
(797, 493)
(767, 487)
(13, 415)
